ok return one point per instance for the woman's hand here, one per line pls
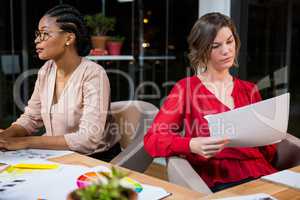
(13, 131)
(2, 134)
(13, 143)
(207, 146)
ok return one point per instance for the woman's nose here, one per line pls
(225, 49)
(37, 40)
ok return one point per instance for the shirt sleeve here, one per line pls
(268, 151)
(31, 119)
(163, 137)
(96, 95)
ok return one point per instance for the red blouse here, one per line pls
(183, 111)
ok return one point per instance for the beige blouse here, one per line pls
(82, 113)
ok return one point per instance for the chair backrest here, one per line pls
(288, 153)
(181, 172)
(133, 119)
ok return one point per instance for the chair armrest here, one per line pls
(288, 153)
(134, 156)
(182, 173)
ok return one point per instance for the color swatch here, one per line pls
(89, 178)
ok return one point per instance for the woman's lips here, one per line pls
(39, 50)
(227, 60)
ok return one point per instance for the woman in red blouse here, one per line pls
(214, 46)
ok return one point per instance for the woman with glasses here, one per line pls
(214, 46)
(71, 98)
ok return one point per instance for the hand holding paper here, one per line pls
(258, 124)
(207, 146)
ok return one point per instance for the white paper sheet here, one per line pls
(49, 184)
(254, 125)
(151, 192)
(12, 182)
(258, 196)
(28, 155)
(58, 183)
(285, 177)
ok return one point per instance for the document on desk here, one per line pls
(40, 184)
(285, 177)
(257, 124)
(151, 192)
(28, 155)
(62, 181)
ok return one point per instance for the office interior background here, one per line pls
(156, 36)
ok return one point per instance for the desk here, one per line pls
(178, 192)
(260, 186)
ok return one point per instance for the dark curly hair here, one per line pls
(202, 37)
(69, 19)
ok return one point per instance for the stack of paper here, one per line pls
(285, 177)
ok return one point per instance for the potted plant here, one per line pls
(114, 45)
(100, 25)
(110, 189)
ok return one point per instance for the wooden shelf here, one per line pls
(107, 58)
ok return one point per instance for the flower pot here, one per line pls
(98, 52)
(99, 42)
(114, 47)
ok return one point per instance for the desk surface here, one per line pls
(177, 191)
(260, 186)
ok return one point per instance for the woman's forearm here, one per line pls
(34, 142)
(14, 131)
(46, 142)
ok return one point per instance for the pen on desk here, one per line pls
(35, 166)
(168, 195)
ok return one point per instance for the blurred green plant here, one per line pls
(100, 24)
(117, 38)
(112, 190)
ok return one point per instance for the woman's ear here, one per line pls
(70, 39)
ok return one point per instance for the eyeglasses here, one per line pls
(44, 36)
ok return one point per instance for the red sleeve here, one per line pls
(163, 137)
(269, 151)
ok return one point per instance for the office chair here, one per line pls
(133, 119)
(182, 173)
